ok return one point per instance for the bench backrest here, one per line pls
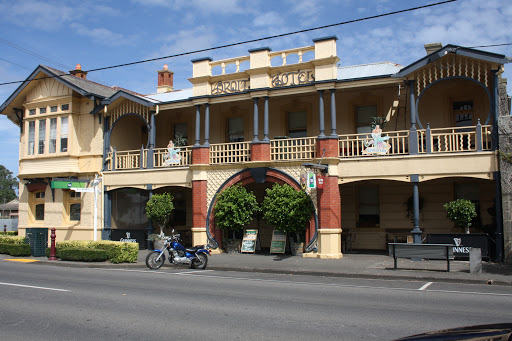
(427, 251)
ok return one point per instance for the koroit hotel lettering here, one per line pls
(229, 87)
(292, 78)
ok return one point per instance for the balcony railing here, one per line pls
(286, 149)
(234, 152)
(442, 140)
(429, 141)
(161, 157)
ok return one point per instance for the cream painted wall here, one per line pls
(393, 212)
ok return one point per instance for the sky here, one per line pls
(96, 34)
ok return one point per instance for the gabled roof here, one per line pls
(458, 50)
(82, 86)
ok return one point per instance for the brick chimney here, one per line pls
(433, 47)
(77, 72)
(165, 80)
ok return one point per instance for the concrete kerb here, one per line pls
(358, 266)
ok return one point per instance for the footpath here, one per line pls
(351, 266)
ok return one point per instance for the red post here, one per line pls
(53, 255)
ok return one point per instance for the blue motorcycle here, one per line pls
(196, 257)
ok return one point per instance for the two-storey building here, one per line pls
(268, 117)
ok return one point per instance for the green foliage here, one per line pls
(461, 212)
(287, 209)
(9, 233)
(378, 121)
(7, 239)
(8, 185)
(117, 252)
(159, 208)
(235, 208)
(83, 254)
(15, 249)
(179, 140)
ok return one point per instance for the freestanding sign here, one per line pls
(249, 241)
(278, 244)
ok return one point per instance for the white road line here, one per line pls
(425, 286)
(198, 274)
(31, 286)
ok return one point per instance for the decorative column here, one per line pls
(260, 150)
(152, 138)
(265, 121)
(333, 114)
(413, 133)
(107, 222)
(321, 113)
(255, 121)
(207, 125)
(198, 126)
(106, 140)
(416, 232)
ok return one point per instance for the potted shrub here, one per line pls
(461, 212)
(289, 210)
(235, 208)
(158, 209)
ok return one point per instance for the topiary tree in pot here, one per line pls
(159, 209)
(235, 208)
(461, 212)
(288, 209)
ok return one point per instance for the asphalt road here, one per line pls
(41, 302)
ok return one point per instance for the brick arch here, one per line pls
(245, 177)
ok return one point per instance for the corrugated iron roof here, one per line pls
(372, 70)
(173, 96)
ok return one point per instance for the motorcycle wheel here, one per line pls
(200, 261)
(152, 262)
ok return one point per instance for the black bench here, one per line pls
(421, 251)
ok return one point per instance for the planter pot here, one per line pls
(297, 249)
(158, 244)
(232, 246)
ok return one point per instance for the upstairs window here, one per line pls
(463, 113)
(32, 112)
(41, 137)
(63, 134)
(42, 110)
(235, 129)
(31, 137)
(64, 107)
(52, 147)
(364, 116)
(180, 134)
(54, 108)
(297, 124)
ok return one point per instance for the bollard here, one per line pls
(475, 260)
(53, 255)
(5, 229)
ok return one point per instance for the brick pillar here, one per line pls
(260, 151)
(199, 211)
(200, 155)
(329, 219)
(331, 146)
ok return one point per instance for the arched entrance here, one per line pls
(258, 178)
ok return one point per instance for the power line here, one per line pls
(274, 36)
(252, 40)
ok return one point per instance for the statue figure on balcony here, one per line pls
(172, 157)
(377, 145)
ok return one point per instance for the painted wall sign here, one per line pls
(377, 145)
(229, 87)
(292, 78)
(278, 244)
(463, 243)
(130, 236)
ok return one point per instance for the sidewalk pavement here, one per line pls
(369, 266)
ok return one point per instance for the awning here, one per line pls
(68, 183)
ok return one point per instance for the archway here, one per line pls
(259, 176)
(130, 125)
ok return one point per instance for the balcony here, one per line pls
(429, 141)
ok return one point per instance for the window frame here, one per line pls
(37, 199)
(299, 132)
(368, 124)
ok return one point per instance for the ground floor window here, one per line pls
(368, 206)
(37, 206)
(74, 205)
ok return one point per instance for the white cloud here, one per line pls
(100, 35)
